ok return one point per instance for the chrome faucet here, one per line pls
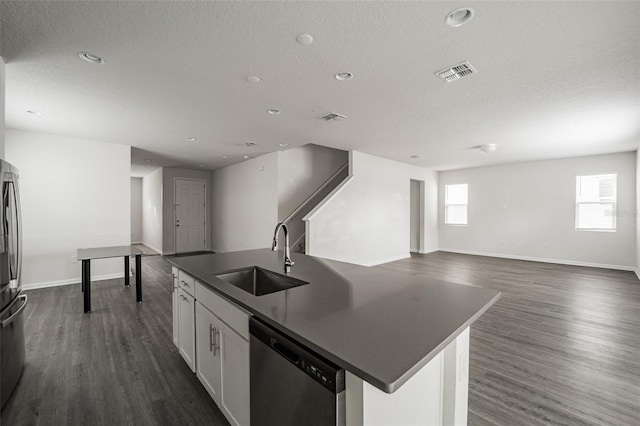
(288, 263)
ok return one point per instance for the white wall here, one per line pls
(152, 210)
(245, 200)
(527, 210)
(75, 193)
(367, 219)
(136, 210)
(301, 171)
(2, 96)
(169, 174)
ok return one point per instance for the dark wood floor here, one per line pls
(562, 346)
(115, 366)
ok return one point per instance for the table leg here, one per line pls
(126, 271)
(138, 278)
(86, 284)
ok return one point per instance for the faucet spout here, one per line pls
(288, 263)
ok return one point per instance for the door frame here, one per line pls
(206, 222)
(421, 213)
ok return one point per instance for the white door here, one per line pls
(190, 215)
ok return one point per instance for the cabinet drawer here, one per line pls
(233, 316)
(186, 282)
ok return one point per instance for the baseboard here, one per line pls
(427, 251)
(387, 260)
(70, 281)
(151, 247)
(542, 259)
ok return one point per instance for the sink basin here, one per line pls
(259, 281)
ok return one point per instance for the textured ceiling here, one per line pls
(554, 79)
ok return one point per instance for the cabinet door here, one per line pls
(175, 306)
(186, 332)
(234, 351)
(208, 362)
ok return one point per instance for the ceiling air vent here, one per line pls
(333, 116)
(456, 72)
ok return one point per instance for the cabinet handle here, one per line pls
(185, 283)
(211, 334)
(216, 346)
(182, 297)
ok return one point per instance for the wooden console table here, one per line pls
(87, 254)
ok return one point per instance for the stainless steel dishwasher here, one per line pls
(290, 384)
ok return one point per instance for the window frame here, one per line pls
(613, 203)
(446, 205)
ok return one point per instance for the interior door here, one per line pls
(190, 208)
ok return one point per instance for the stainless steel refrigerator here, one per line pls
(12, 300)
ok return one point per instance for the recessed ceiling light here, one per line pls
(488, 147)
(416, 156)
(200, 165)
(247, 157)
(148, 160)
(304, 39)
(192, 139)
(283, 144)
(344, 76)
(253, 79)
(225, 157)
(249, 143)
(274, 111)
(459, 17)
(34, 112)
(90, 57)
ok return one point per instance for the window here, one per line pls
(596, 202)
(455, 204)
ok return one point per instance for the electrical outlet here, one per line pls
(74, 259)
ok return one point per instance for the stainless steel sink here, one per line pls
(259, 281)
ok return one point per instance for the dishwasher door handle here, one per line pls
(285, 352)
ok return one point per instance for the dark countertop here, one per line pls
(380, 325)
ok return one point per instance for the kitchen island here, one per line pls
(402, 339)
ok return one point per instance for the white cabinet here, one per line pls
(222, 365)
(234, 357)
(212, 335)
(208, 364)
(186, 327)
(175, 299)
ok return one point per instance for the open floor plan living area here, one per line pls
(320, 213)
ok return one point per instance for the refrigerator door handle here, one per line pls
(9, 320)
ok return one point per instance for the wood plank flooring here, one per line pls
(561, 347)
(115, 366)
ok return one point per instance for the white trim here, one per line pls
(327, 199)
(387, 260)
(58, 283)
(637, 271)
(542, 259)
(151, 247)
(427, 251)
